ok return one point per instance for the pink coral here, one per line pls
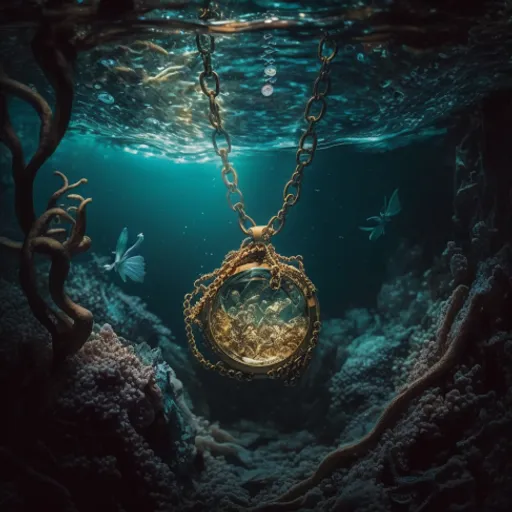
(111, 393)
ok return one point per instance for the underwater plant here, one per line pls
(133, 267)
(389, 210)
(71, 324)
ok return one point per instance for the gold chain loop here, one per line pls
(227, 139)
(323, 106)
(308, 142)
(204, 85)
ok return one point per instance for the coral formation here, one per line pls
(102, 424)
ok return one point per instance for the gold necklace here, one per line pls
(258, 312)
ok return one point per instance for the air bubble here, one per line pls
(267, 90)
(106, 98)
(270, 71)
(108, 63)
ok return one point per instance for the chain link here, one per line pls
(313, 113)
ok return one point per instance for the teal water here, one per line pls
(114, 412)
(189, 227)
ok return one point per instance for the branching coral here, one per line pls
(71, 326)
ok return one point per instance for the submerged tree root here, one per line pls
(71, 324)
(455, 347)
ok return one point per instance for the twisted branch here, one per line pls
(65, 188)
(339, 458)
(71, 325)
(67, 337)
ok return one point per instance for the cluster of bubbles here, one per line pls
(270, 70)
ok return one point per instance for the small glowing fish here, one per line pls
(390, 210)
(133, 267)
(125, 69)
(148, 45)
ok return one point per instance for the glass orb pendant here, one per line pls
(259, 315)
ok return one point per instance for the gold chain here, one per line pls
(307, 143)
(315, 110)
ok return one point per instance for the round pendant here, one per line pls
(254, 326)
(259, 316)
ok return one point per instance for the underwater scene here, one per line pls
(255, 255)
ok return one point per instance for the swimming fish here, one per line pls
(133, 267)
(390, 210)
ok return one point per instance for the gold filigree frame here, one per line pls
(250, 256)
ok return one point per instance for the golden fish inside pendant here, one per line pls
(260, 316)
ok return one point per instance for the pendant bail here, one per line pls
(259, 234)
